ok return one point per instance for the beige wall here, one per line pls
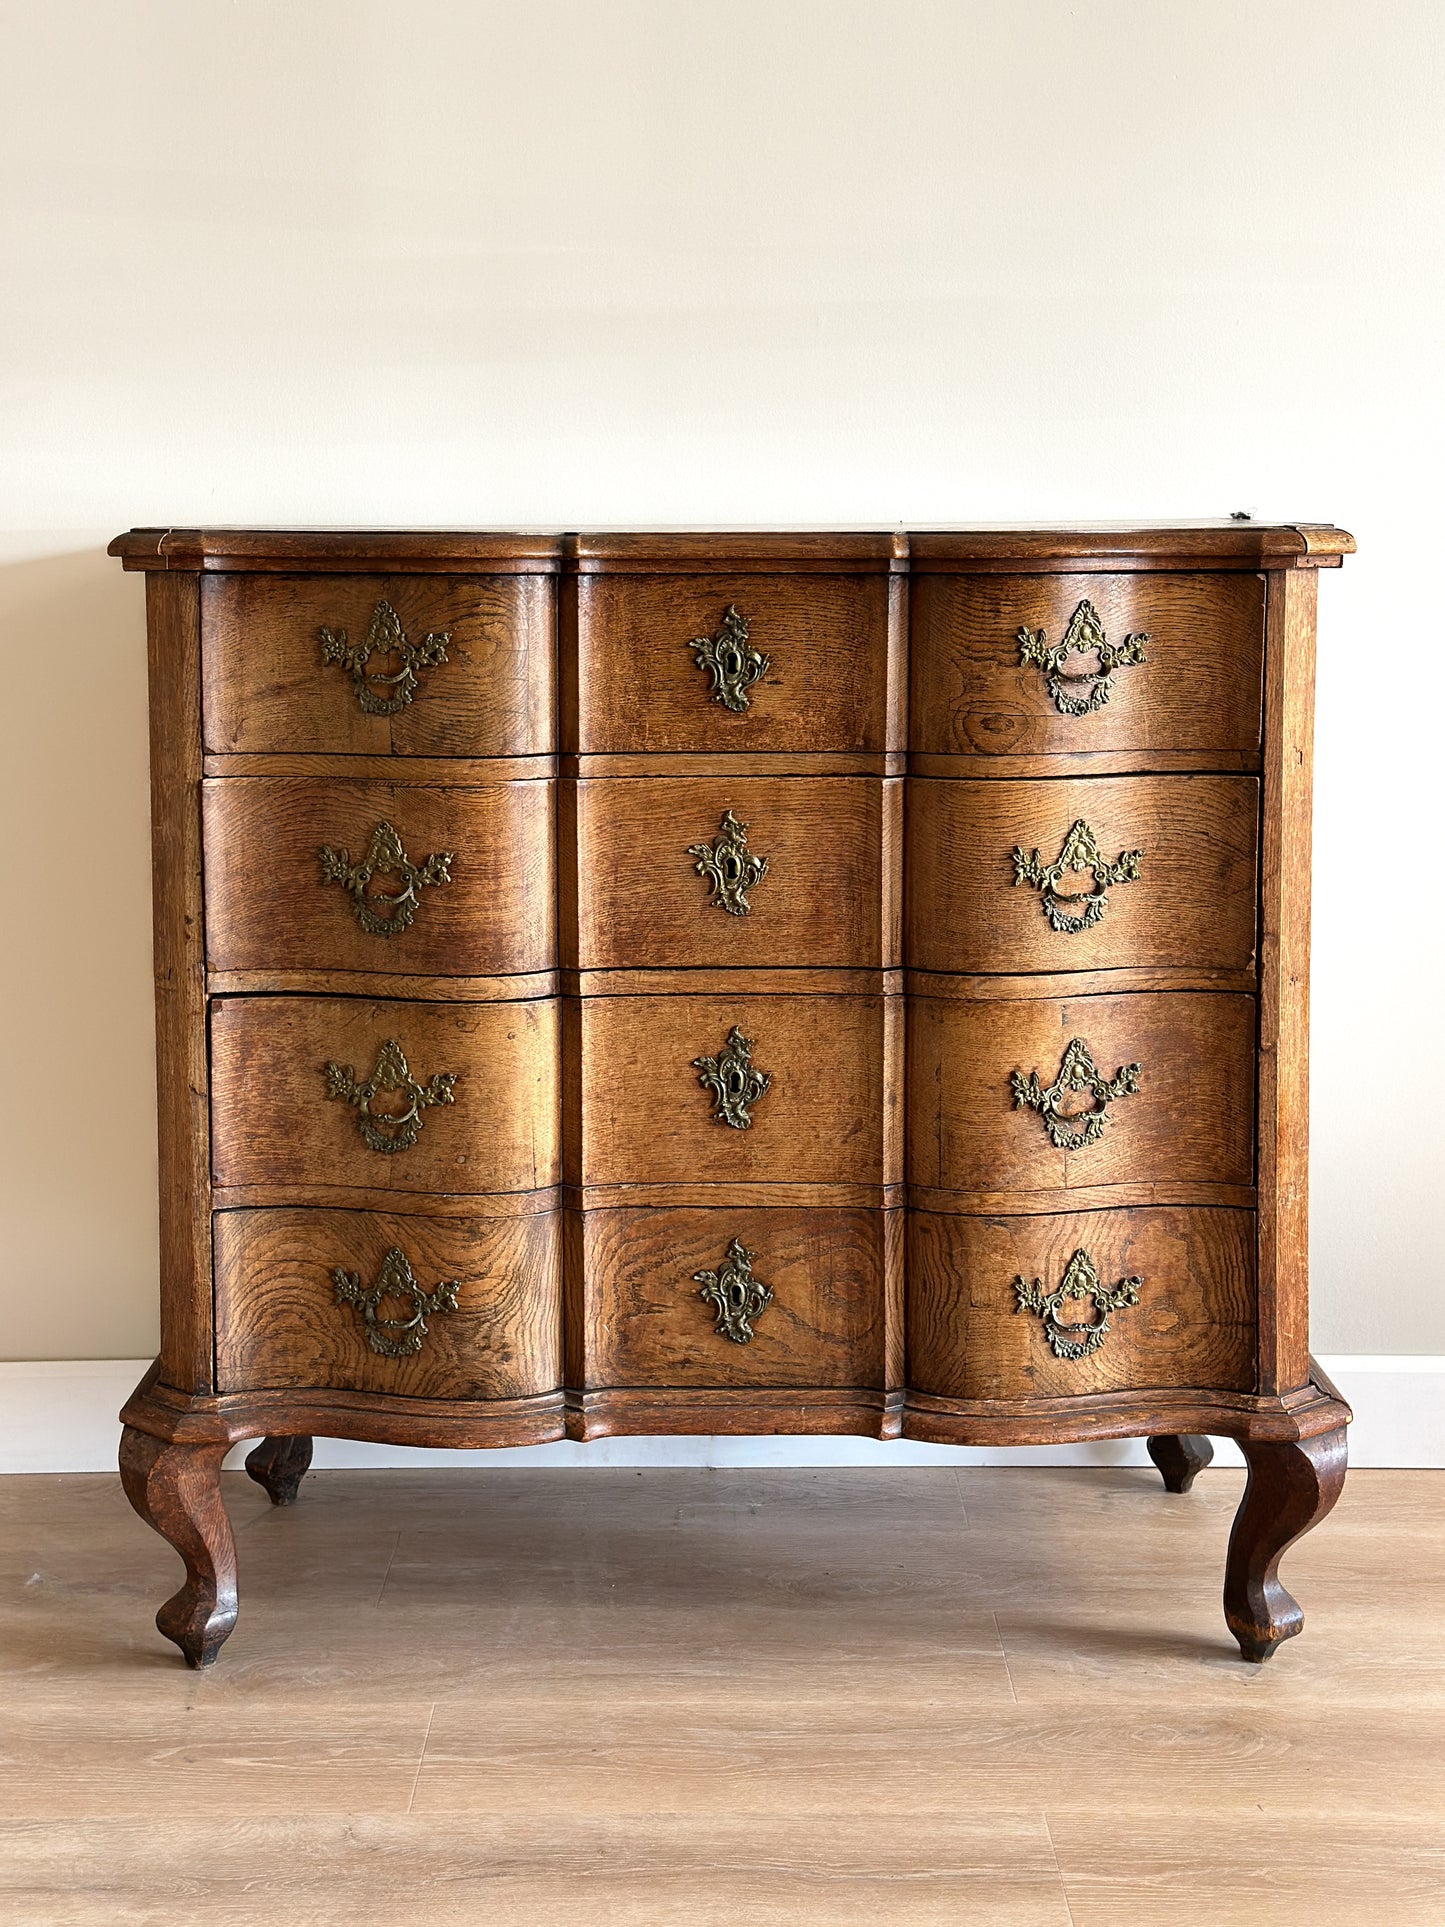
(770, 261)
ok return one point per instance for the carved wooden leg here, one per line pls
(177, 1490)
(1181, 1457)
(280, 1465)
(1290, 1489)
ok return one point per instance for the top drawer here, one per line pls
(406, 665)
(1049, 665)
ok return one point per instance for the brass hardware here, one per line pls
(1080, 1281)
(732, 1080)
(389, 1130)
(394, 1280)
(1080, 852)
(1084, 633)
(1077, 1072)
(386, 858)
(384, 636)
(730, 659)
(729, 869)
(735, 1295)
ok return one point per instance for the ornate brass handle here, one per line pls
(730, 660)
(1080, 1281)
(1084, 636)
(378, 694)
(730, 871)
(1077, 1073)
(733, 1081)
(385, 858)
(394, 1337)
(736, 1296)
(1080, 853)
(389, 1130)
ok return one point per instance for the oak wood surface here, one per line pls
(1193, 1324)
(280, 1323)
(436, 772)
(1197, 688)
(1291, 1487)
(279, 1465)
(270, 905)
(1180, 1457)
(273, 1123)
(1192, 905)
(176, 1490)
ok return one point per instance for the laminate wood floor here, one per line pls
(765, 1699)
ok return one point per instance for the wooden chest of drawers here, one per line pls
(732, 983)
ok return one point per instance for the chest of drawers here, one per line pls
(732, 983)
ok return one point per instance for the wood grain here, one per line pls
(274, 1124)
(1193, 1324)
(280, 1324)
(1192, 905)
(1198, 687)
(270, 906)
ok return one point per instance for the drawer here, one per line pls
(1190, 1121)
(422, 880)
(423, 1307)
(647, 1115)
(1169, 1295)
(450, 1098)
(718, 662)
(1047, 665)
(735, 871)
(733, 1297)
(415, 665)
(1109, 872)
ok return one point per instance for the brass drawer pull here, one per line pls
(389, 1130)
(1084, 636)
(1080, 1281)
(730, 659)
(1077, 1072)
(730, 871)
(733, 1081)
(385, 858)
(394, 1337)
(381, 695)
(1080, 853)
(737, 1298)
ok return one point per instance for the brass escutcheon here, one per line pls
(389, 1130)
(733, 1081)
(386, 858)
(1080, 1281)
(737, 1298)
(1080, 853)
(1077, 1072)
(730, 871)
(381, 695)
(730, 660)
(394, 1337)
(1085, 634)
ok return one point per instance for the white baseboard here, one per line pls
(59, 1416)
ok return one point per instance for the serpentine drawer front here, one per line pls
(732, 983)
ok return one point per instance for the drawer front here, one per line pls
(733, 1297)
(418, 880)
(1040, 665)
(1094, 873)
(1013, 1096)
(411, 665)
(365, 1302)
(652, 1114)
(731, 872)
(1100, 1301)
(458, 1098)
(800, 663)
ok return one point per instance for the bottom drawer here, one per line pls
(1110, 1301)
(351, 1301)
(788, 1297)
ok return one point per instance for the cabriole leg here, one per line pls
(177, 1490)
(1181, 1457)
(280, 1465)
(1291, 1488)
